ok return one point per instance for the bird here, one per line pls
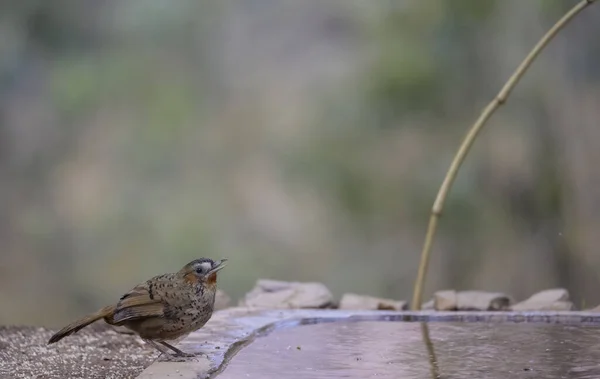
(163, 309)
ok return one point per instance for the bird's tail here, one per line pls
(82, 323)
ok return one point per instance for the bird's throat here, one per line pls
(212, 279)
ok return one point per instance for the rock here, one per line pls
(222, 300)
(595, 309)
(445, 300)
(354, 301)
(483, 301)
(555, 294)
(538, 306)
(276, 294)
(451, 300)
(556, 299)
(428, 306)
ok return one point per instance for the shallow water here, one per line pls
(371, 349)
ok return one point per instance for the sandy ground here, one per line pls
(94, 352)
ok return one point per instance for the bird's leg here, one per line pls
(157, 346)
(176, 350)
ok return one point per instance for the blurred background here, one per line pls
(303, 140)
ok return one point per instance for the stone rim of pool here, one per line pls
(231, 329)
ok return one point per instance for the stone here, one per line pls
(595, 309)
(428, 306)
(277, 294)
(556, 299)
(538, 306)
(362, 302)
(483, 301)
(446, 300)
(450, 300)
(222, 300)
(554, 294)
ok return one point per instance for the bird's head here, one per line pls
(203, 270)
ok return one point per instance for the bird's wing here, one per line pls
(138, 303)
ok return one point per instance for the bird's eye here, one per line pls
(199, 270)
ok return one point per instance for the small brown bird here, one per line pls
(165, 308)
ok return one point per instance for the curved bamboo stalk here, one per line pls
(464, 148)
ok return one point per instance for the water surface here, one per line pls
(371, 349)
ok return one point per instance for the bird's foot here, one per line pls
(178, 353)
(183, 354)
(162, 346)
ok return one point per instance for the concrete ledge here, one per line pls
(230, 330)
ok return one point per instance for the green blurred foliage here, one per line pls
(302, 140)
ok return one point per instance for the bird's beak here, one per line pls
(218, 266)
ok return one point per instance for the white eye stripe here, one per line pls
(204, 267)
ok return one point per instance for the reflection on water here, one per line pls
(433, 361)
(414, 350)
